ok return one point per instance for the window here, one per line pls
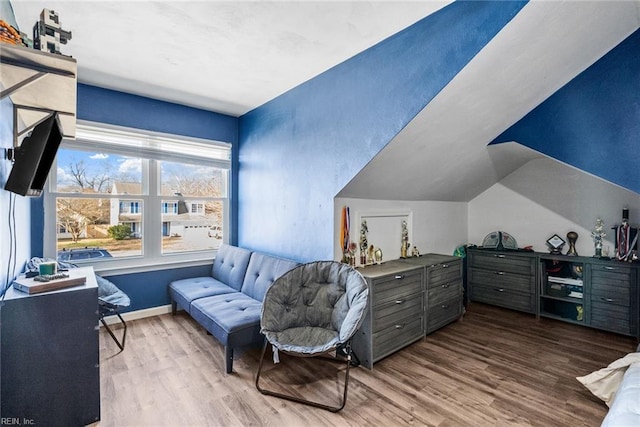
(125, 197)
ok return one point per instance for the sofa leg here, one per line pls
(174, 307)
(229, 359)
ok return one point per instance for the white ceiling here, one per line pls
(223, 56)
(232, 57)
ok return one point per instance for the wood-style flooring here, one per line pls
(495, 367)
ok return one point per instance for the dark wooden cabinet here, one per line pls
(395, 316)
(443, 289)
(503, 278)
(49, 356)
(586, 291)
(408, 298)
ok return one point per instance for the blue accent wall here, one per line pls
(300, 149)
(124, 109)
(593, 122)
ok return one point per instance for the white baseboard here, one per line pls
(139, 314)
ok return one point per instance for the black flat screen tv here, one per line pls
(34, 157)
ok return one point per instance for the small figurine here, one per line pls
(405, 240)
(48, 33)
(415, 252)
(363, 242)
(597, 234)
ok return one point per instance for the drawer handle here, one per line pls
(399, 301)
(499, 289)
(500, 273)
(607, 299)
(445, 265)
(445, 286)
(445, 306)
(606, 267)
(400, 277)
(499, 256)
(400, 326)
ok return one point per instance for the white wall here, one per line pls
(437, 227)
(544, 197)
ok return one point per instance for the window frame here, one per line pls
(151, 148)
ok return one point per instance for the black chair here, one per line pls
(312, 311)
(110, 301)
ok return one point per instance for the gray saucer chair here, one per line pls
(314, 310)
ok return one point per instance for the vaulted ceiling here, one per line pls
(232, 57)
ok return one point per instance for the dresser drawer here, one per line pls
(611, 317)
(610, 276)
(505, 262)
(503, 297)
(443, 273)
(443, 313)
(507, 281)
(444, 292)
(396, 286)
(611, 295)
(398, 335)
(393, 312)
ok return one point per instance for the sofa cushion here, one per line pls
(262, 271)
(230, 265)
(234, 319)
(184, 291)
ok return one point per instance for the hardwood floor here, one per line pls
(495, 367)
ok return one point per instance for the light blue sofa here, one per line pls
(228, 303)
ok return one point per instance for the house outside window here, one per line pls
(142, 197)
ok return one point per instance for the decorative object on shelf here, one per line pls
(371, 256)
(415, 252)
(572, 236)
(499, 240)
(378, 255)
(626, 239)
(352, 253)
(597, 234)
(363, 242)
(576, 271)
(555, 244)
(344, 235)
(405, 240)
(48, 33)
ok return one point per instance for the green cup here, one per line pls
(47, 268)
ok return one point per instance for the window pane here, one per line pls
(94, 229)
(192, 231)
(91, 172)
(181, 179)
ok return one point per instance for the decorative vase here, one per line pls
(572, 236)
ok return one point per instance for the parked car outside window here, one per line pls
(70, 255)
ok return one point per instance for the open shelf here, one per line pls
(562, 290)
(38, 83)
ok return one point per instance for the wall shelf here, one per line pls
(38, 83)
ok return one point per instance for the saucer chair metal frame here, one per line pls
(110, 301)
(293, 324)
